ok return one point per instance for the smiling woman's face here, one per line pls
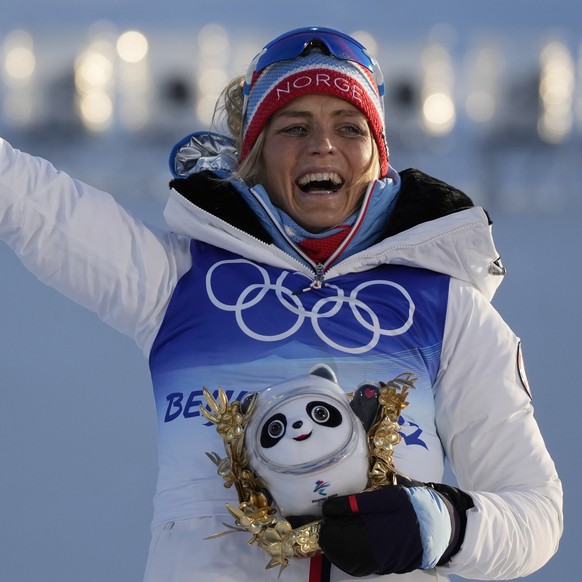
(318, 158)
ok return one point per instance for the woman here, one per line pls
(294, 243)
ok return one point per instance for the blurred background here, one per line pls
(487, 97)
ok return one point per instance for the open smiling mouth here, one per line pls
(302, 437)
(320, 182)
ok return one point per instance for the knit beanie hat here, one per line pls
(313, 73)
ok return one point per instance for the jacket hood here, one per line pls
(432, 226)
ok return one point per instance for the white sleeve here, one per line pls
(485, 421)
(78, 240)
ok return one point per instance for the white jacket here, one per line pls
(81, 242)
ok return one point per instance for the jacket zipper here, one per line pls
(317, 283)
(320, 269)
(317, 268)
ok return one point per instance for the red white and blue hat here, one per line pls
(313, 60)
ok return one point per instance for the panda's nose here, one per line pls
(297, 424)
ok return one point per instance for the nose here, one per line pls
(297, 424)
(322, 141)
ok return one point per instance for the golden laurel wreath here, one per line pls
(255, 514)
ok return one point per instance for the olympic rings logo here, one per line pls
(323, 309)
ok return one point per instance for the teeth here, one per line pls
(320, 177)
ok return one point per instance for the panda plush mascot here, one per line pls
(299, 443)
(307, 442)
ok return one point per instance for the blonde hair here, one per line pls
(230, 107)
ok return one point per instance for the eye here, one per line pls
(275, 429)
(320, 414)
(324, 414)
(351, 130)
(294, 130)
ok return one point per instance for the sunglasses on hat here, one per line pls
(300, 41)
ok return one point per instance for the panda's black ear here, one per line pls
(365, 405)
(247, 401)
(323, 371)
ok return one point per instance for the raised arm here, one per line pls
(80, 241)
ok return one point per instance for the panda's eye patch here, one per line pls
(324, 413)
(273, 430)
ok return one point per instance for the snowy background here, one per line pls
(77, 442)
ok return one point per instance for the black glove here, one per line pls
(396, 529)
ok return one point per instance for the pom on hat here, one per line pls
(314, 73)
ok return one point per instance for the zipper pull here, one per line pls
(317, 282)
